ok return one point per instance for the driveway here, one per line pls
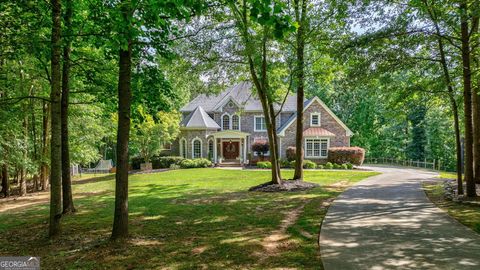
(387, 222)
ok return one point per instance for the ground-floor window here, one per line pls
(197, 148)
(183, 148)
(316, 148)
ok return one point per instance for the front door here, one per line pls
(231, 150)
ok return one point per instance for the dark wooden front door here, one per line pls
(231, 150)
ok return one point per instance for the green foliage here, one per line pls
(344, 166)
(166, 162)
(349, 166)
(195, 163)
(149, 136)
(337, 166)
(328, 166)
(264, 165)
(320, 167)
(284, 163)
(308, 164)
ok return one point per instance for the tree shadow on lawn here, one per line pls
(173, 226)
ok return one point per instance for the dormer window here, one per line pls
(315, 119)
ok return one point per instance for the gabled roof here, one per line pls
(199, 119)
(241, 94)
(281, 130)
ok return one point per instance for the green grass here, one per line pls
(448, 175)
(466, 214)
(183, 219)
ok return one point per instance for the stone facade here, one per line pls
(327, 122)
(247, 125)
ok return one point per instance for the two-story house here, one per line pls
(224, 127)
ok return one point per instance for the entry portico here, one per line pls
(230, 146)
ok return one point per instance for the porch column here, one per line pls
(214, 150)
(244, 150)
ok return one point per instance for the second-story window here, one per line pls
(315, 119)
(260, 124)
(226, 122)
(235, 122)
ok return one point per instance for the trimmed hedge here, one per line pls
(195, 163)
(328, 166)
(343, 155)
(165, 162)
(158, 162)
(308, 164)
(264, 165)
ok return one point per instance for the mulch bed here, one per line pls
(288, 185)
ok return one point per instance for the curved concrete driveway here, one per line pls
(387, 222)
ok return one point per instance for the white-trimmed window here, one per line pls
(316, 148)
(315, 119)
(259, 123)
(235, 122)
(210, 149)
(183, 148)
(196, 148)
(225, 122)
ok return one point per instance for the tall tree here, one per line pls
(270, 23)
(467, 97)
(300, 7)
(120, 220)
(67, 195)
(55, 114)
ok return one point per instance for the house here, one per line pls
(224, 127)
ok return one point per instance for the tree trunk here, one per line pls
(467, 96)
(23, 178)
(45, 141)
(68, 206)
(5, 181)
(476, 106)
(300, 13)
(120, 222)
(56, 118)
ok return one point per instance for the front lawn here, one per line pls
(182, 219)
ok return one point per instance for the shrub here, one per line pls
(349, 166)
(344, 166)
(260, 148)
(291, 153)
(284, 163)
(165, 162)
(308, 164)
(336, 166)
(320, 167)
(342, 155)
(264, 165)
(329, 166)
(195, 163)
(292, 164)
(174, 167)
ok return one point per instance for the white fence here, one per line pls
(433, 164)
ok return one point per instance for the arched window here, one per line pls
(210, 149)
(235, 122)
(226, 122)
(196, 148)
(183, 148)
